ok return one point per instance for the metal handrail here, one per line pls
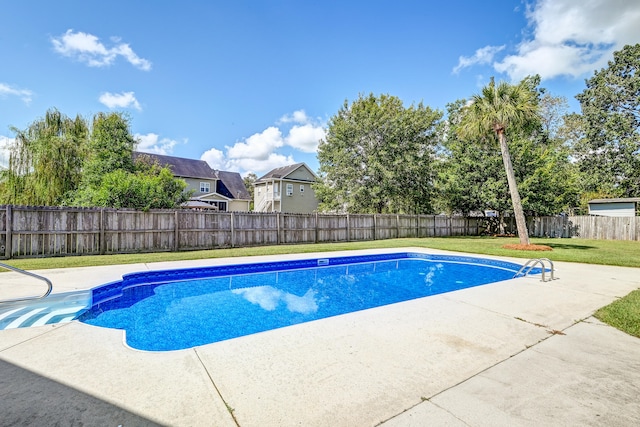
(531, 263)
(552, 267)
(18, 270)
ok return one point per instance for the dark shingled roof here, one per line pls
(280, 172)
(185, 168)
(230, 184)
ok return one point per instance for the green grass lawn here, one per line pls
(623, 314)
(608, 252)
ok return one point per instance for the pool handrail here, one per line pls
(28, 273)
(531, 263)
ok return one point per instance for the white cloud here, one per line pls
(483, 55)
(5, 143)
(24, 94)
(258, 146)
(89, 49)
(259, 152)
(305, 138)
(152, 143)
(215, 158)
(297, 117)
(120, 100)
(572, 38)
(259, 167)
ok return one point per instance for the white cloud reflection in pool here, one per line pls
(269, 298)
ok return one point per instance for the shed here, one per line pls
(614, 207)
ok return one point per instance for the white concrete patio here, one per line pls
(490, 355)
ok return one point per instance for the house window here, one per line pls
(302, 188)
(205, 187)
(289, 189)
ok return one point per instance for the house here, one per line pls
(218, 190)
(614, 207)
(286, 189)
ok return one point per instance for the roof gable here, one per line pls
(285, 172)
(230, 184)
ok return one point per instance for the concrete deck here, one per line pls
(517, 353)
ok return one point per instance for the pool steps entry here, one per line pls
(529, 265)
(43, 309)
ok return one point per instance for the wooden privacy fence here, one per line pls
(587, 227)
(27, 231)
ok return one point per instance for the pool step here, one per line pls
(58, 308)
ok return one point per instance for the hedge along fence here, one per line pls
(27, 231)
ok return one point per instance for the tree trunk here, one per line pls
(518, 212)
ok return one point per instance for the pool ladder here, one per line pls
(528, 266)
(17, 270)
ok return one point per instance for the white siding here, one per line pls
(613, 209)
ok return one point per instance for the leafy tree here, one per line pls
(248, 184)
(45, 161)
(609, 154)
(110, 147)
(472, 177)
(377, 157)
(150, 186)
(496, 110)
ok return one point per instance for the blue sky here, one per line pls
(250, 85)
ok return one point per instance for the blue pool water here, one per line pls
(177, 309)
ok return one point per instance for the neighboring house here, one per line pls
(614, 207)
(286, 189)
(211, 189)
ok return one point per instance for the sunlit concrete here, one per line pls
(427, 361)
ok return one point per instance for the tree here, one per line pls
(110, 147)
(472, 177)
(609, 155)
(148, 186)
(45, 161)
(495, 110)
(248, 184)
(377, 157)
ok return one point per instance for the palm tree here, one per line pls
(494, 110)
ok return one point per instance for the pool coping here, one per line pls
(361, 368)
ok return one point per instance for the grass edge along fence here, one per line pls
(27, 231)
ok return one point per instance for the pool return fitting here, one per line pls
(528, 266)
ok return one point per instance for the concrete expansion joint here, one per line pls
(45, 330)
(549, 330)
(213, 383)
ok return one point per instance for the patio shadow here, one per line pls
(28, 399)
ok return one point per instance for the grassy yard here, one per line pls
(623, 314)
(608, 252)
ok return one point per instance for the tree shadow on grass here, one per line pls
(569, 247)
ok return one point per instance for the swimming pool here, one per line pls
(177, 309)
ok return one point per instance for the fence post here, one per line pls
(375, 226)
(278, 239)
(348, 228)
(176, 232)
(233, 232)
(103, 243)
(8, 236)
(317, 231)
